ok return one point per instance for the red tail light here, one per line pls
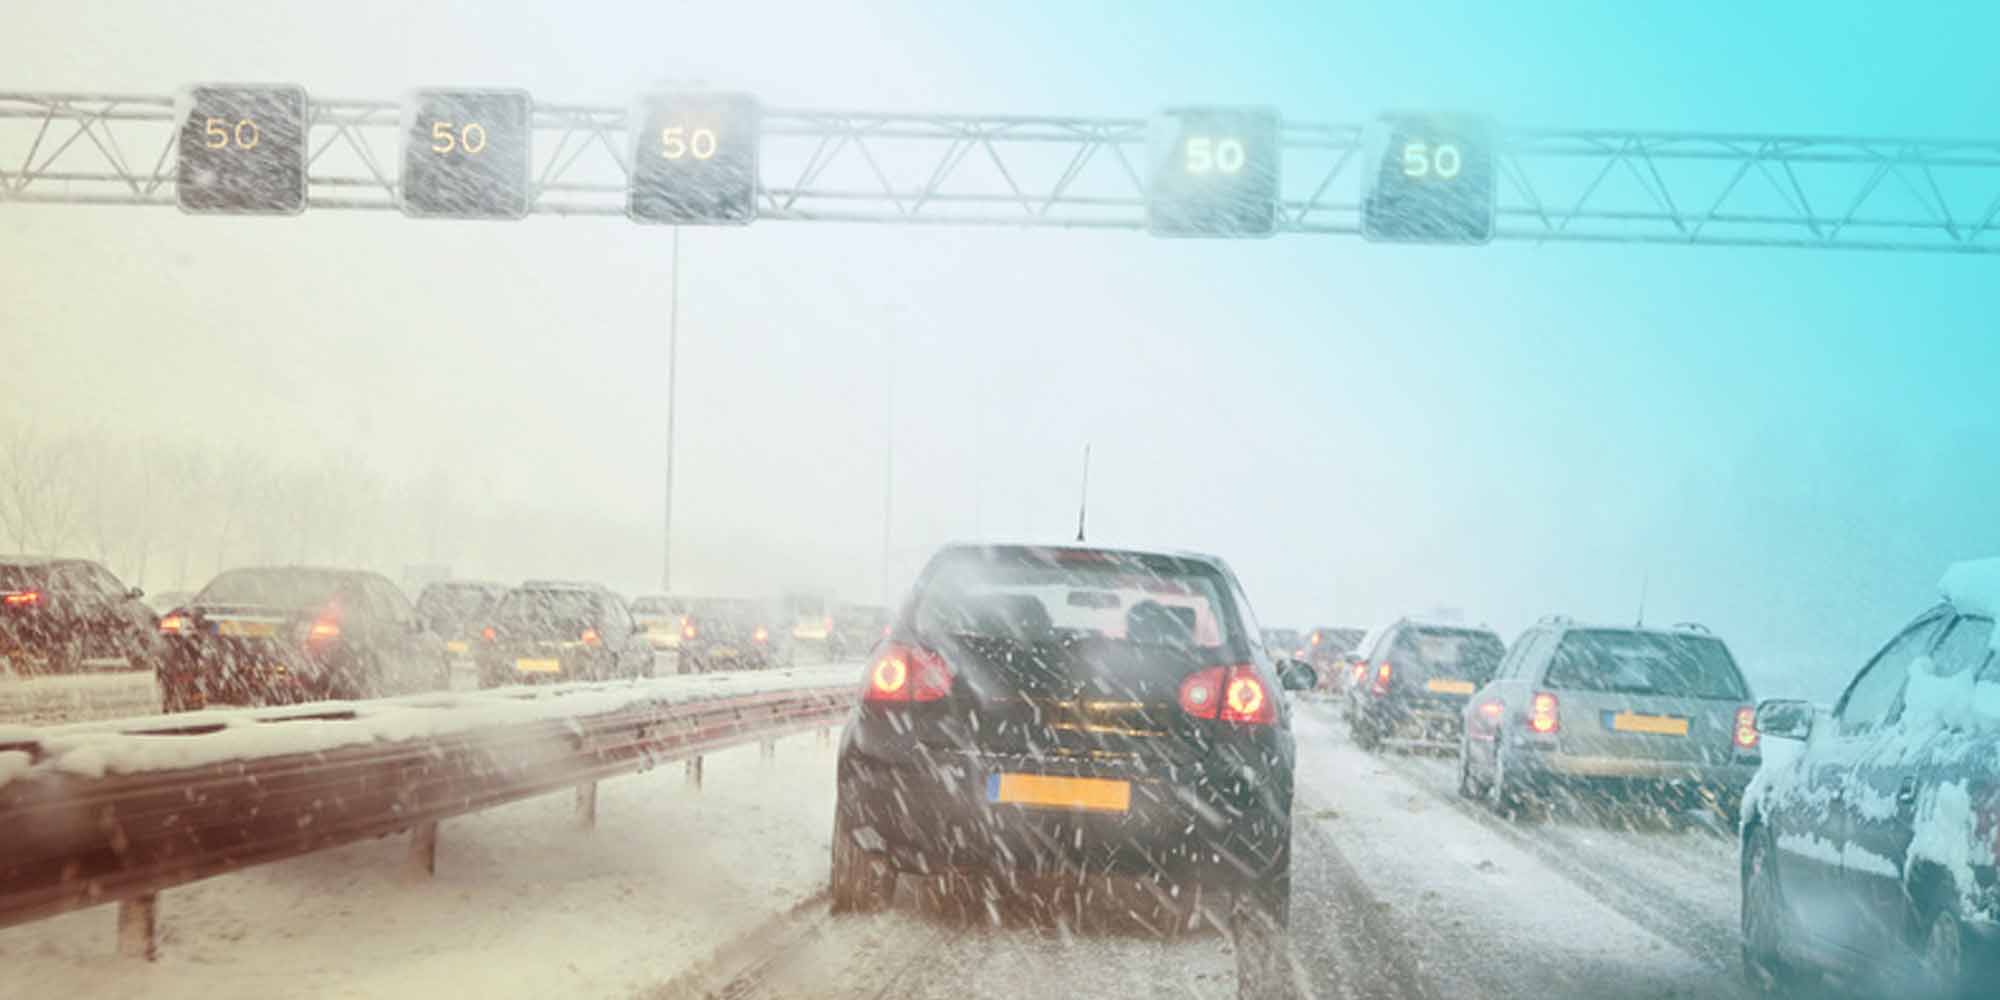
(761, 635)
(488, 634)
(1543, 714)
(22, 599)
(591, 638)
(1232, 694)
(688, 630)
(905, 673)
(322, 630)
(1383, 673)
(1746, 728)
(176, 624)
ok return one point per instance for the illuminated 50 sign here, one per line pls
(242, 150)
(1434, 182)
(466, 154)
(694, 159)
(1215, 173)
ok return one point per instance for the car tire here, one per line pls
(1263, 956)
(861, 882)
(1467, 787)
(1764, 926)
(1365, 735)
(1941, 960)
(1503, 795)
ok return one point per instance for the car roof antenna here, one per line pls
(1083, 503)
(1643, 582)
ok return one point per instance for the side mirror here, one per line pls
(1785, 719)
(1297, 675)
(134, 594)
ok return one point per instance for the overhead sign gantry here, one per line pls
(715, 158)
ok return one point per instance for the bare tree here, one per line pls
(38, 492)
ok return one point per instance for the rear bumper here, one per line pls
(502, 666)
(1551, 766)
(194, 676)
(1211, 826)
(1421, 724)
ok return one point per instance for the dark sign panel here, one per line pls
(1214, 172)
(242, 150)
(466, 154)
(694, 159)
(1434, 183)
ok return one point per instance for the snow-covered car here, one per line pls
(455, 611)
(1656, 715)
(280, 635)
(57, 614)
(1416, 680)
(661, 617)
(550, 631)
(1873, 850)
(1044, 717)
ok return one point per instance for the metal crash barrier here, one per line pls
(117, 811)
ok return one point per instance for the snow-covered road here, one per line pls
(1401, 890)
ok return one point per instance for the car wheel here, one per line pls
(1365, 735)
(861, 882)
(1502, 795)
(1942, 962)
(1766, 928)
(1263, 952)
(1467, 787)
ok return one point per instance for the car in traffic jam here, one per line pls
(57, 615)
(455, 611)
(733, 633)
(1414, 680)
(280, 635)
(556, 631)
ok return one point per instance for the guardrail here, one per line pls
(97, 813)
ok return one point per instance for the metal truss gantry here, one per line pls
(1556, 185)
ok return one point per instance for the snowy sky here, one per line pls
(1790, 445)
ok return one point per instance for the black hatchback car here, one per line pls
(281, 635)
(1414, 682)
(552, 632)
(1872, 850)
(1051, 716)
(56, 614)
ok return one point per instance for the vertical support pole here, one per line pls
(694, 771)
(424, 849)
(138, 919)
(768, 750)
(586, 806)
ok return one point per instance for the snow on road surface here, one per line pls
(43, 701)
(523, 904)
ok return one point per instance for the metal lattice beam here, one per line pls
(1557, 185)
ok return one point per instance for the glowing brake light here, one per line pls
(687, 629)
(1746, 728)
(1543, 714)
(1232, 694)
(1383, 672)
(760, 635)
(176, 624)
(905, 673)
(22, 599)
(489, 634)
(322, 630)
(590, 638)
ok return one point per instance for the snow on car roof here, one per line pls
(1973, 587)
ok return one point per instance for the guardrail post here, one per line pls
(424, 848)
(694, 771)
(767, 750)
(825, 736)
(138, 917)
(586, 805)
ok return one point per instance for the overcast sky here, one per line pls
(1789, 445)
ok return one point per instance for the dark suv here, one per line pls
(1045, 718)
(56, 614)
(455, 611)
(1414, 681)
(1871, 842)
(547, 631)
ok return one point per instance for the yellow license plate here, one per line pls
(725, 651)
(528, 666)
(1052, 792)
(246, 629)
(1657, 725)
(455, 646)
(1449, 687)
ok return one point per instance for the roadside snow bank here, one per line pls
(194, 739)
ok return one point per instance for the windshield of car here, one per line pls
(21, 578)
(1045, 596)
(654, 606)
(1645, 663)
(285, 589)
(1447, 653)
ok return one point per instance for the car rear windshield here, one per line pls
(290, 589)
(1045, 594)
(653, 606)
(1687, 666)
(22, 577)
(568, 609)
(1455, 653)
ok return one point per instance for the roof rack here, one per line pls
(1692, 627)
